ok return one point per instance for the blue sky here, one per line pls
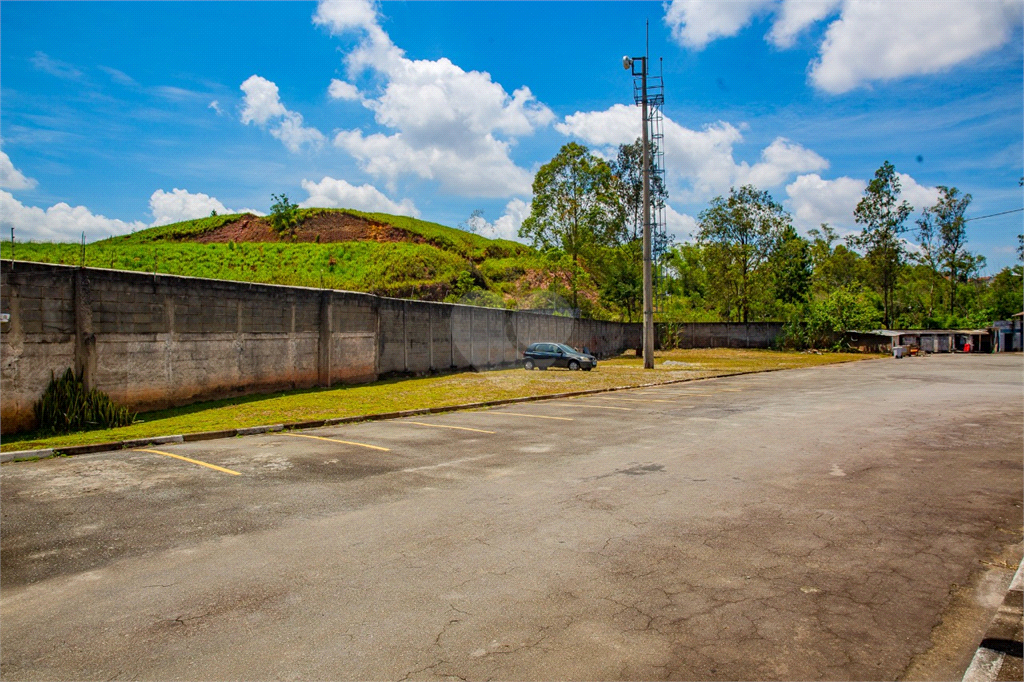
(117, 116)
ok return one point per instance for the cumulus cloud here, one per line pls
(11, 177)
(58, 223)
(869, 40)
(680, 226)
(814, 200)
(331, 193)
(341, 90)
(505, 227)
(891, 40)
(446, 123)
(179, 204)
(702, 159)
(262, 106)
(695, 23)
(795, 16)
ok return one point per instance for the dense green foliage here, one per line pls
(67, 406)
(746, 263)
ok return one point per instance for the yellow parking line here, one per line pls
(445, 426)
(535, 416)
(186, 459)
(634, 400)
(335, 440)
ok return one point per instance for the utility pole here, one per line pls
(648, 339)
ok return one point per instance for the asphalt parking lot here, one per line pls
(843, 522)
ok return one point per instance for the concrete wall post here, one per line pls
(85, 338)
(323, 364)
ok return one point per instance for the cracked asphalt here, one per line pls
(825, 523)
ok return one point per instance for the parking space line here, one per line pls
(605, 407)
(335, 440)
(634, 400)
(192, 461)
(445, 426)
(535, 416)
(445, 464)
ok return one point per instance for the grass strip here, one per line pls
(402, 394)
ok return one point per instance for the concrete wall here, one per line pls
(156, 341)
(725, 334)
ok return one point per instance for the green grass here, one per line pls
(393, 395)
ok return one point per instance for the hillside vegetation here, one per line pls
(333, 248)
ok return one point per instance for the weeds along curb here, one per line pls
(72, 450)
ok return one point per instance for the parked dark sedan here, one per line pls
(544, 355)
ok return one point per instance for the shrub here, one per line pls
(67, 406)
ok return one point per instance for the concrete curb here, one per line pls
(72, 450)
(999, 656)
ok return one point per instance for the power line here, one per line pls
(993, 215)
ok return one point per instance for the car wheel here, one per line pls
(573, 365)
(528, 365)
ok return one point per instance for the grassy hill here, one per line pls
(334, 248)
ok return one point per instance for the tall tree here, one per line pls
(628, 168)
(575, 204)
(791, 265)
(883, 216)
(943, 235)
(738, 236)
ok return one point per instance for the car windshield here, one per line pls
(567, 349)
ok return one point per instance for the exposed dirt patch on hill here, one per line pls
(324, 228)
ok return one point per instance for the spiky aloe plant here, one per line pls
(67, 406)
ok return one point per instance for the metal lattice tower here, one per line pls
(656, 135)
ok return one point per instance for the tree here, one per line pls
(833, 265)
(942, 232)
(883, 216)
(284, 215)
(791, 266)
(738, 236)
(628, 168)
(575, 204)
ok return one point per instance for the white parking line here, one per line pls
(445, 464)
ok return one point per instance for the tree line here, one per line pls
(748, 263)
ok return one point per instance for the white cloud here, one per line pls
(447, 124)
(695, 23)
(891, 40)
(918, 196)
(55, 67)
(346, 15)
(703, 159)
(680, 226)
(179, 204)
(215, 105)
(795, 16)
(118, 76)
(264, 108)
(11, 177)
(60, 222)
(331, 193)
(505, 227)
(341, 90)
(871, 40)
(813, 200)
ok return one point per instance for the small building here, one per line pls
(1007, 334)
(927, 340)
